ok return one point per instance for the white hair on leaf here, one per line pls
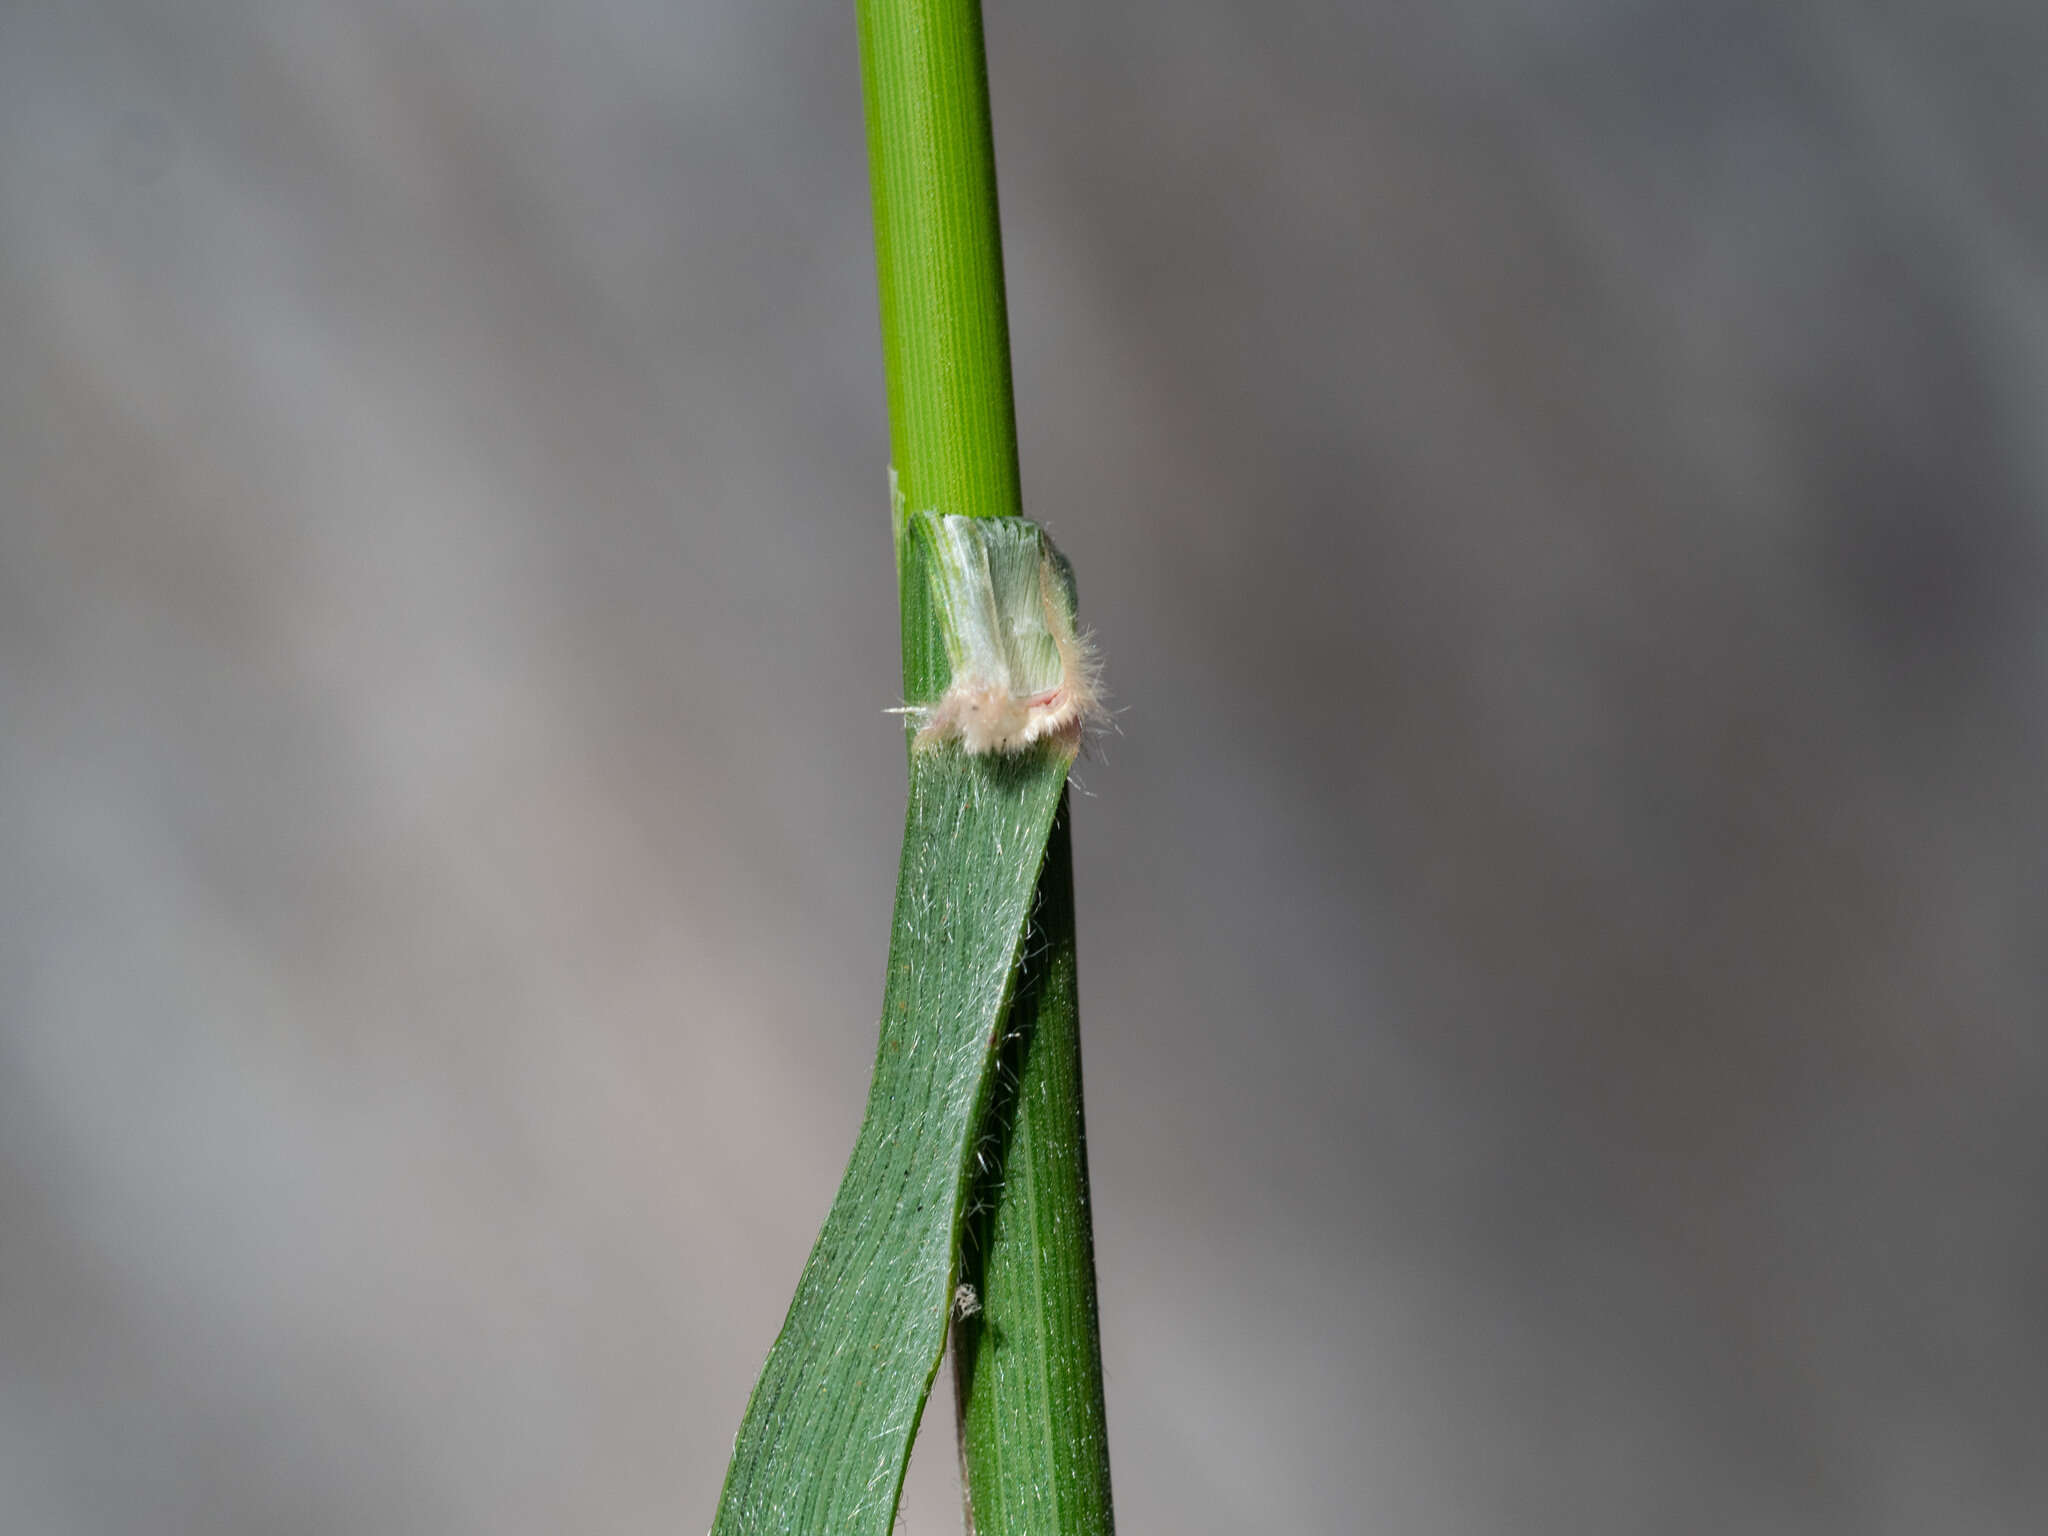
(986, 717)
(1023, 673)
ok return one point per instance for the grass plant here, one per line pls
(964, 1206)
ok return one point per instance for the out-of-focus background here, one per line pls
(1561, 491)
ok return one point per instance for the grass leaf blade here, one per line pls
(827, 1433)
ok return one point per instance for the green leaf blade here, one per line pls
(827, 1434)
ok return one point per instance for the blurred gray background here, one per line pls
(1560, 488)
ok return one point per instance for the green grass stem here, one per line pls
(970, 1165)
(1028, 1367)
